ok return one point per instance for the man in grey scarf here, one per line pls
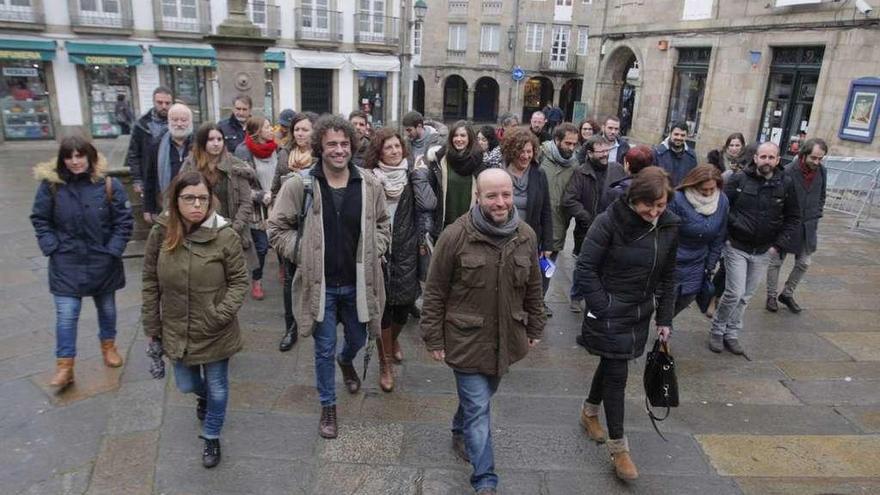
(558, 161)
(483, 310)
(166, 158)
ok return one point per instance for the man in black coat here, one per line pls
(764, 215)
(146, 134)
(810, 180)
(233, 127)
(619, 146)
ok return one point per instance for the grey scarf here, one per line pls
(486, 226)
(163, 163)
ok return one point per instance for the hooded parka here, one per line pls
(559, 171)
(191, 296)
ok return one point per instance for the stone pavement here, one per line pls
(801, 415)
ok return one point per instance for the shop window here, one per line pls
(105, 84)
(688, 89)
(24, 101)
(188, 86)
(791, 90)
(371, 96)
(316, 90)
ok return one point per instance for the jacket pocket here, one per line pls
(464, 342)
(472, 271)
(521, 271)
(462, 321)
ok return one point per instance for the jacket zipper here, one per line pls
(188, 246)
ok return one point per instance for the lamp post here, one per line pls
(419, 10)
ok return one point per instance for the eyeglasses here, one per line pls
(190, 199)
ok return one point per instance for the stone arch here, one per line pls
(537, 92)
(570, 92)
(455, 98)
(620, 79)
(486, 92)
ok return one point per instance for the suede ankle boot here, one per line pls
(112, 359)
(397, 352)
(590, 422)
(63, 373)
(386, 369)
(624, 467)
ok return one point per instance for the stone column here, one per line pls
(470, 104)
(240, 46)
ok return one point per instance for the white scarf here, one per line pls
(705, 206)
(393, 179)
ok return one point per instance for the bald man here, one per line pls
(166, 157)
(483, 309)
(764, 215)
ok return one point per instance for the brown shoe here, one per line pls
(386, 369)
(327, 427)
(397, 352)
(112, 358)
(349, 376)
(590, 422)
(623, 464)
(63, 373)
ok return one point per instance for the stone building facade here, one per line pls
(764, 68)
(470, 48)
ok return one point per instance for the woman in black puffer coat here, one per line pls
(627, 267)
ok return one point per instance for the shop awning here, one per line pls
(95, 54)
(27, 50)
(274, 60)
(318, 60)
(188, 57)
(374, 63)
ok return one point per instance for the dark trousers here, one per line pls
(608, 388)
(261, 245)
(580, 231)
(682, 302)
(289, 271)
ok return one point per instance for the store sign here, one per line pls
(20, 72)
(20, 55)
(272, 65)
(92, 59)
(185, 61)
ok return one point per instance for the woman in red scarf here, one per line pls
(259, 151)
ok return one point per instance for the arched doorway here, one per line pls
(537, 92)
(455, 100)
(418, 95)
(486, 100)
(568, 94)
(618, 86)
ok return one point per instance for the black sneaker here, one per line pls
(771, 304)
(789, 302)
(201, 408)
(211, 452)
(548, 311)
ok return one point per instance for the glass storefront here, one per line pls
(104, 85)
(188, 85)
(24, 100)
(688, 89)
(372, 96)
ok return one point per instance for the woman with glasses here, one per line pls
(194, 283)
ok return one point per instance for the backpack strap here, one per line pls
(108, 189)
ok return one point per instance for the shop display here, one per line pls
(103, 107)
(23, 102)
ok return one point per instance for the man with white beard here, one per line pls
(165, 158)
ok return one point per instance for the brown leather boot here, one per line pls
(112, 358)
(63, 373)
(590, 422)
(327, 427)
(397, 352)
(386, 369)
(624, 467)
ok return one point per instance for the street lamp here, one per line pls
(420, 9)
(511, 37)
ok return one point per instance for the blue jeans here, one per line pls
(340, 306)
(209, 381)
(261, 246)
(67, 310)
(473, 420)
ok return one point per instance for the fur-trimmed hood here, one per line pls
(48, 171)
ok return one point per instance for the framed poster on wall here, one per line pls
(862, 110)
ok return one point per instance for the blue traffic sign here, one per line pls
(517, 73)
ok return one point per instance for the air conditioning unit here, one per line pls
(788, 3)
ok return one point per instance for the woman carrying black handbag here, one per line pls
(626, 271)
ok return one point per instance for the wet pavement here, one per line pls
(801, 415)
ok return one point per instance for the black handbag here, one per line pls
(661, 385)
(706, 293)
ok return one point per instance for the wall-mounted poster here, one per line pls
(862, 110)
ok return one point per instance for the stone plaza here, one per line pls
(799, 415)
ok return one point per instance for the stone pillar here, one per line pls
(240, 46)
(470, 103)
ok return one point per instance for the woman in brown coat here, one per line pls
(194, 283)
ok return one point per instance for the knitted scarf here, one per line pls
(809, 174)
(464, 162)
(705, 206)
(488, 227)
(393, 179)
(298, 159)
(259, 150)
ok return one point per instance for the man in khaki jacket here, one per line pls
(339, 273)
(483, 309)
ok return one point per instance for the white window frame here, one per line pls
(560, 44)
(99, 7)
(178, 14)
(317, 20)
(457, 37)
(534, 37)
(417, 38)
(375, 9)
(587, 2)
(490, 38)
(563, 3)
(583, 40)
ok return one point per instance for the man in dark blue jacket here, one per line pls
(764, 215)
(673, 154)
(810, 179)
(233, 127)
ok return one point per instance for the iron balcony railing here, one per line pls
(101, 14)
(455, 56)
(32, 13)
(265, 16)
(489, 58)
(318, 25)
(193, 18)
(458, 7)
(492, 7)
(566, 64)
(374, 29)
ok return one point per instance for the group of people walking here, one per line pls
(364, 223)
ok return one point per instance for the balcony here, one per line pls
(29, 16)
(183, 19)
(376, 32)
(489, 58)
(455, 56)
(101, 16)
(492, 7)
(458, 8)
(318, 26)
(563, 65)
(265, 16)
